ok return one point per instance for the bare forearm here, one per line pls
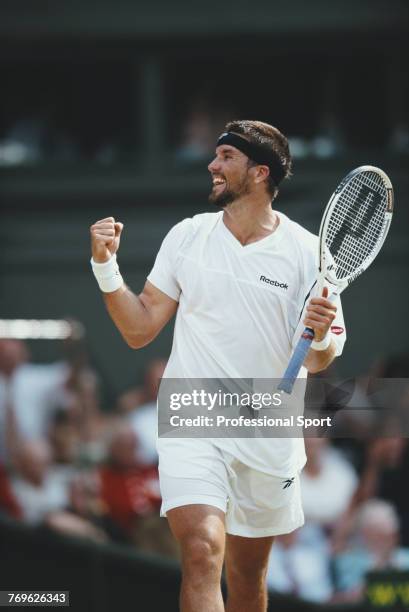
(316, 361)
(139, 318)
(130, 316)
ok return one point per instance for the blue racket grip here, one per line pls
(296, 361)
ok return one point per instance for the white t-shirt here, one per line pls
(144, 422)
(333, 498)
(37, 502)
(34, 392)
(240, 314)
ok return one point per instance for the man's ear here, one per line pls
(261, 173)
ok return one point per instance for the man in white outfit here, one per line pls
(239, 281)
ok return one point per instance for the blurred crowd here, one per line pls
(69, 466)
(37, 139)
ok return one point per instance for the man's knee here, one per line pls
(200, 533)
(202, 553)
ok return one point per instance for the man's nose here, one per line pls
(214, 165)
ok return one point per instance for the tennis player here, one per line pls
(239, 281)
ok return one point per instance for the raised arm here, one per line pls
(139, 318)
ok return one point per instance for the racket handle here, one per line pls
(297, 359)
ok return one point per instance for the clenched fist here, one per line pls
(105, 238)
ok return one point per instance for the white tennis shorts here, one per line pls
(256, 504)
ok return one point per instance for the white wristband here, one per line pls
(107, 274)
(322, 345)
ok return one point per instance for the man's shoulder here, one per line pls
(199, 219)
(203, 219)
(190, 225)
(306, 239)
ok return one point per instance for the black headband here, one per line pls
(257, 153)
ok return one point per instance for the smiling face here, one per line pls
(230, 175)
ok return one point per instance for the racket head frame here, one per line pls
(325, 276)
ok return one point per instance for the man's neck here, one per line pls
(250, 220)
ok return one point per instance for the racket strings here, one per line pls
(356, 223)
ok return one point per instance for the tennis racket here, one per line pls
(352, 232)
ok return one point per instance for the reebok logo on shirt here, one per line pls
(274, 282)
(287, 483)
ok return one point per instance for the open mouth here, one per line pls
(218, 182)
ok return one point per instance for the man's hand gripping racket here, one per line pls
(352, 232)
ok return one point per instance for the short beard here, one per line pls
(228, 196)
(222, 200)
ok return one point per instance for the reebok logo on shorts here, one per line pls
(273, 282)
(287, 483)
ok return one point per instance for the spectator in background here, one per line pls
(386, 468)
(330, 139)
(388, 458)
(137, 396)
(29, 391)
(300, 561)
(140, 405)
(36, 487)
(297, 568)
(81, 401)
(64, 439)
(328, 483)
(129, 489)
(35, 138)
(198, 135)
(8, 502)
(201, 129)
(32, 394)
(24, 141)
(86, 515)
(392, 465)
(374, 546)
(385, 458)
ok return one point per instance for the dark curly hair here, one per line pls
(267, 136)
